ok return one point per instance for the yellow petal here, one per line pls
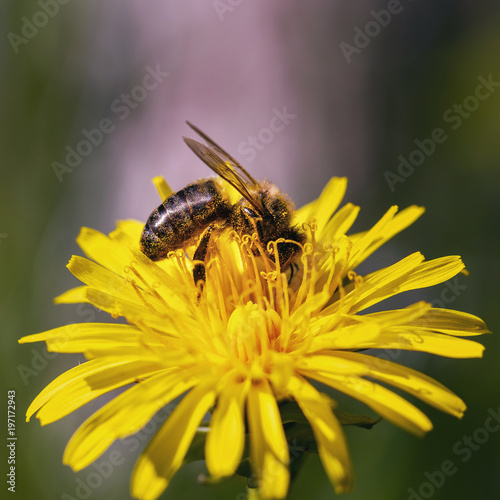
(433, 272)
(417, 328)
(411, 381)
(112, 340)
(163, 320)
(156, 285)
(451, 322)
(269, 448)
(408, 274)
(350, 337)
(85, 382)
(128, 232)
(361, 245)
(375, 286)
(397, 317)
(226, 439)
(385, 232)
(79, 337)
(385, 402)
(164, 190)
(364, 330)
(73, 296)
(323, 208)
(104, 250)
(330, 363)
(339, 224)
(332, 447)
(100, 278)
(166, 451)
(124, 415)
(413, 338)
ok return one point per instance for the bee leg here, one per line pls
(200, 254)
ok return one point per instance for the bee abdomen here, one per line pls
(182, 216)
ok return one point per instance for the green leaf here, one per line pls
(291, 413)
(196, 451)
(300, 438)
(357, 420)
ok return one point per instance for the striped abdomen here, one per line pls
(183, 216)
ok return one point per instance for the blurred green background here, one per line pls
(362, 84)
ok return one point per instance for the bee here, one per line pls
(202, 208)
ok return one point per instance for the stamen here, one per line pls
(186, 274)
(252, 281)
(141, 295)
(307, 259)
(150, 287)
(331, 284)
(285, 331)
(214, 276)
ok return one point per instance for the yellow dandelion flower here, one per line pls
(254, 339)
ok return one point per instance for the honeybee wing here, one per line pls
(225, 166)
(246, 177)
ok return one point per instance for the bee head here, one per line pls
(277, 208)
(277, 224)
(273, 222)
